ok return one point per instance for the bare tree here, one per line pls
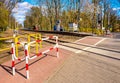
(10, 4)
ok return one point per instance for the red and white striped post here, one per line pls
(27, 56)
(13, 59)
(57, 47)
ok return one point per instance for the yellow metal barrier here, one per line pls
(29, 42)
(29, 39)
(4, 49)
(37, 37)
(7, 38)
(16, 40)
(40, 36)
(16, 46)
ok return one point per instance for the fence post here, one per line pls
(27, 56)
(13, 59)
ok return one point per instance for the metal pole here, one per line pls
(13, 59)
(26, 58)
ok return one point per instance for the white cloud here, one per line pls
(44, 10)
(20, 10)
(116, 8)
(24, 4)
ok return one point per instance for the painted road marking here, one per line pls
(79, 51)
(71, 49)
(68, 48)
(99, 41)
(80, 39)
(90, 47)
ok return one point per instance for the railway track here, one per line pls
(89, 64)
(77, 48)
(102, 51)
(68, 43)
(79, 34)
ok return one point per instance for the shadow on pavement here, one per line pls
(9, 68)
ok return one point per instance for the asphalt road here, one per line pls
(116, 35)
(92, 65)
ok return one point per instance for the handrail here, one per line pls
(16, 39)
(7, 38)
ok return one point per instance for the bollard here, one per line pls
(13, 60)
(26, 58)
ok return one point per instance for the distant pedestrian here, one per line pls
(57, 26)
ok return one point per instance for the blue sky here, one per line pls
(33, 2)
(114, 3)
(19, 12)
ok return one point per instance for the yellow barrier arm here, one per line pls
(7, 38)
(4, 49)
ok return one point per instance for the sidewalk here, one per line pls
(40, 69)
